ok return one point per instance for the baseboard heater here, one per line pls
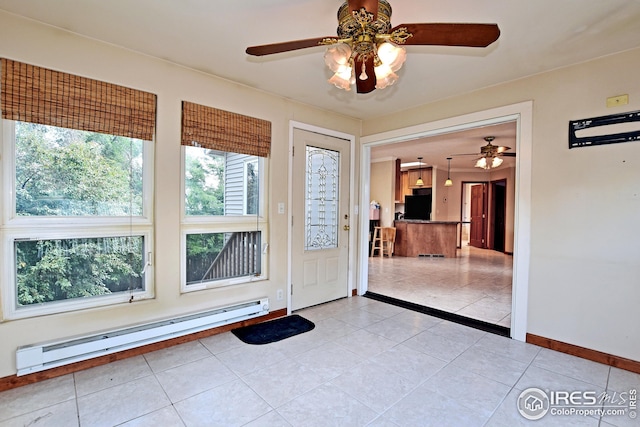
(430, 255)
(38, 357)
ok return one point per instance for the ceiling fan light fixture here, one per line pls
(338, 57)
(384, 76)
(361, 38)
(343, 79)
(489, 162)
(391, 55)
(491, 154)
(365, 36)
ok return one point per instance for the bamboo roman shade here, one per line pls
(39, 95)
(224, 131)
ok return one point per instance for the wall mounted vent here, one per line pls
(34, 358)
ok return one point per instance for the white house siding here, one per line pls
(234, 183)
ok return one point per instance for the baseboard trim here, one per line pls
(14, 381)
(585, 353)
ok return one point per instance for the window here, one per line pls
(223, 227)
(66, 172)
(220, 184)
(223, 224)
(251, 195)
(76, 199)
(50, 270)
(76, 230)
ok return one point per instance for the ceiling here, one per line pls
(211, 36)
(435, 149)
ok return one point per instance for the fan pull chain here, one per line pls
(363, 75)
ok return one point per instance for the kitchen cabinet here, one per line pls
(414, 174)
(406, 181)
(406, 191)
(402, 182)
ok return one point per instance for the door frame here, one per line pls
(352, 203)
(522, 114)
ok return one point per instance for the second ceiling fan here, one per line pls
(367, 50)
(490, 156)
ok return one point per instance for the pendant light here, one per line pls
(448, 182)
(420, 182)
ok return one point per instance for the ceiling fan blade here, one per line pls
(269, 49)
(371, 6)
(472, 35)
(369, 85)
(502, 149)
(508, 154)
(464, 154)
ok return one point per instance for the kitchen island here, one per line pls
(418, 237)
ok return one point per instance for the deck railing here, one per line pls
(240, 256)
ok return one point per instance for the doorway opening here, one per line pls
(475, 285)
(517, 189)
(484, 215)
(498, 215)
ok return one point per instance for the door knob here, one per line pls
(346, 228)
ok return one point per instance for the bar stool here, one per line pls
(383, 240)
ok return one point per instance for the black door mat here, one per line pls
(274, 330)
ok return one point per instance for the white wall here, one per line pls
(584, 284)
(30, 42)
(383, 178)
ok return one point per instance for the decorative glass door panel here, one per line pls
(322, 198)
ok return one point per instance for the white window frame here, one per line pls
(35, 228)
(202, 224)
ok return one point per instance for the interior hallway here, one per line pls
(476, 284)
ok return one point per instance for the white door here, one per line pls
(320, 224)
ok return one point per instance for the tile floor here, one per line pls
(366, 363)
(475, 284)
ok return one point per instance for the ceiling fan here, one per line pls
(490, 155)
(367, 45)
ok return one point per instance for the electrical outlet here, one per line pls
(279, 294)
